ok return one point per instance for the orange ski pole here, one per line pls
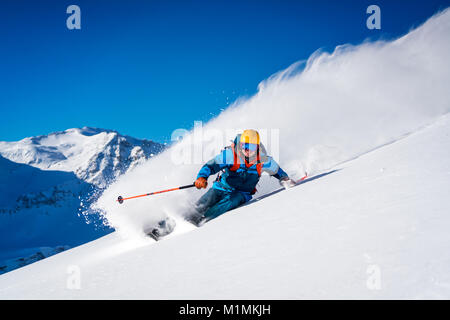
(121, 200)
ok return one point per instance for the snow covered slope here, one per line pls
(382, 215)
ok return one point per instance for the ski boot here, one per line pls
(197, 219)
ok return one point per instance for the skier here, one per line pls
(241, 165)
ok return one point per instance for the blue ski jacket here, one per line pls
(243, 179)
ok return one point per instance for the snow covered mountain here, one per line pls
(45, 181)
(96, 156)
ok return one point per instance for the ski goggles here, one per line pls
(249, 146)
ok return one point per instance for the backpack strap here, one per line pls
(259, 164)
(259, 168)
(236, 163)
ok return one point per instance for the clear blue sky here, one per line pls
(145, 68)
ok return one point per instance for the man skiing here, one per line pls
(241, 165)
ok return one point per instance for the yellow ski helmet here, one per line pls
(250, 136)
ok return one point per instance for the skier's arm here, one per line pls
(219, 162)
(273, 169)
(281, 174)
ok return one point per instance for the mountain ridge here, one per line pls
(52, 179)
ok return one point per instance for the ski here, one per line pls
(167, 225)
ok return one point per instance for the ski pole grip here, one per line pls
(188, 186)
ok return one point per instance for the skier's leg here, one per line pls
(227, 203)
(209, 199)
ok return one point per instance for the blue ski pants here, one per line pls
(216, 202)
